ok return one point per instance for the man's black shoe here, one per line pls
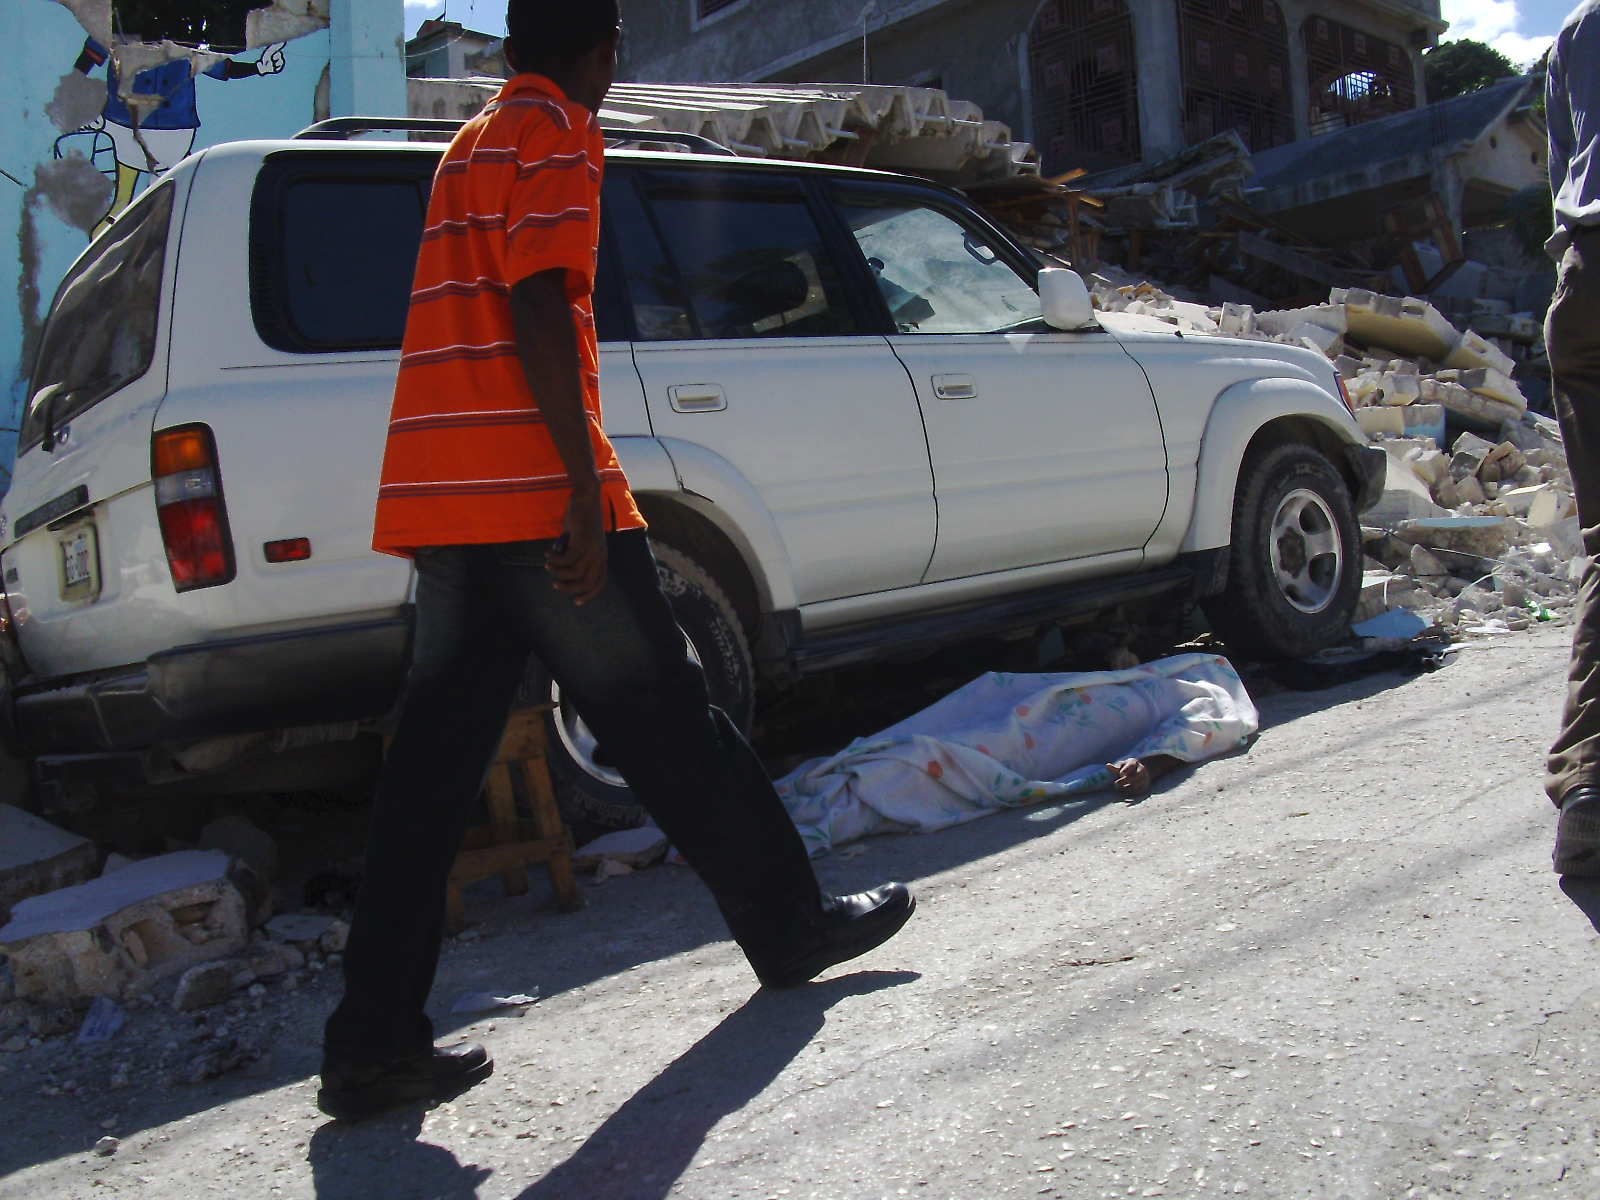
(1578, 832)
(845, 928)
(352, 1093)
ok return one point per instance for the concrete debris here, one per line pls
(1406, 324)
(37, 857)
(107, 1146)
(239, 837)
(119, 934)
(306, 930)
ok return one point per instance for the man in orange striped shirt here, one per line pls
(500, 483)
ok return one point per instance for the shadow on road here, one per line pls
(1585, 894)
(644, 1147)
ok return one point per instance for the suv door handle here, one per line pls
(954, 387)
(697, 397)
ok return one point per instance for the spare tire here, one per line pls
(589, 790)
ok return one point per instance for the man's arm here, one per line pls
(547, 341)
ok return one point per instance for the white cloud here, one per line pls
(1496, 22)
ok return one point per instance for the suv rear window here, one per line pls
(333, 249)
(101, 334)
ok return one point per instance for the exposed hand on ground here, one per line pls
(1130, 778)
(579, 566)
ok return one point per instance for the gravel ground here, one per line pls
(1337, 965)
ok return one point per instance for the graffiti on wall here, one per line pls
(145, 115)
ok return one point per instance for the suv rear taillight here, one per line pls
(194, 519)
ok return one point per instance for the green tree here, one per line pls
(1456, 68)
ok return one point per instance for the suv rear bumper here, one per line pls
(241, 685)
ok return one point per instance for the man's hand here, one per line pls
(1130, 777)
(578, 562)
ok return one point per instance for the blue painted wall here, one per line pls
(363, 53)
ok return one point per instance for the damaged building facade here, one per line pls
(1092, 83)
(102, 96)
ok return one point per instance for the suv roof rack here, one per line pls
(342, 129)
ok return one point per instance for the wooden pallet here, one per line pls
(508, 845)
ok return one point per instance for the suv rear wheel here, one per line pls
(1295, 571)
(589, 789)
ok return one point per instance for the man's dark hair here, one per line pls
(557, 31)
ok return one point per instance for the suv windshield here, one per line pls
(101, 335)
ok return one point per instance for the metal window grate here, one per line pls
(1235, 57)
(1354, 76)
(707, 7)
(1085, 89)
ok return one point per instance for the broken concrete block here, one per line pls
(1425, 564)
(1517, 501)
(1480, 412)
(36, 857)
(1501, 463)
(1430, 465)
(1329, 317)
(1484, 382)
(1400, 388)
(241, 838)
(1381, 591)
(1411, 421)
(204, 985)
(119, 934)
(1474, 350)
(1411, 326)
(1314, 337)
(300, 929)
(1486, 537)
(1237, 319)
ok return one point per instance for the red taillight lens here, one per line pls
(189, 505)
(287, 550)
(1344, 394)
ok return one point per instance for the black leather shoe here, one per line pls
(800, 948)
(1578, 832)
(352, 1093)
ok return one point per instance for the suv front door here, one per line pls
(1046, 446)
(750, 346)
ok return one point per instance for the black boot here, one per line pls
(1578, 832)
(786, 948)
(351, 1093)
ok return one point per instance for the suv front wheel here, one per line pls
(1295, 569)
(589, 789)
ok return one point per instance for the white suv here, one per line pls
(860, 419)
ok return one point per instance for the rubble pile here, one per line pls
(1478, 530)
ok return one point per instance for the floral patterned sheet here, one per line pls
(1004, 741)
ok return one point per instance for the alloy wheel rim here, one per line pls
(1306, 552)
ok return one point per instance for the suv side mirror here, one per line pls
(1065, 299)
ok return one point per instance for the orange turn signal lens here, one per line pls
(181, 450)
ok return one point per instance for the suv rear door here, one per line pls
(751, 345)
(80, 512)
(1046, 446)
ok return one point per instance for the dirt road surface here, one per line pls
(1337, 965)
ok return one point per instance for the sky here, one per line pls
(1519, 29)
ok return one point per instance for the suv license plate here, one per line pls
(80, 564)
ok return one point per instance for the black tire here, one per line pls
(589, 793)
(1299, 600)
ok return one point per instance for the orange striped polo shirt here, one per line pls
(468, 458)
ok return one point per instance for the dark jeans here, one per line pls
(1572, 332)
(622, 659)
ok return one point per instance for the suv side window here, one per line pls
(333, 249)
(739, 258)
(101, 335)
(935, 273)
